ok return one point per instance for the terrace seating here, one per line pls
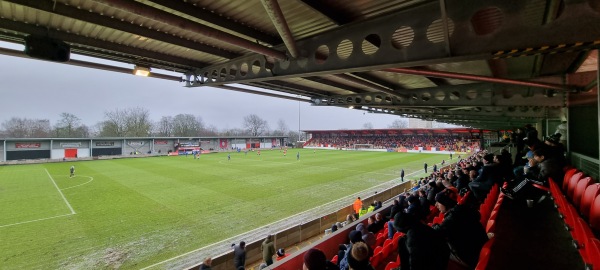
(590, 193)
(580, 189)
(484, 255)
(572, 183)
(594, 217)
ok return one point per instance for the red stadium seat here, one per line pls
(392, 265)
(484, 255)
(594, 253)
(334, 259)
(572, 183)
(579, 190)
(377, 249)
(465, 198)
(387, 242)
(397, 236)
(570, 215)
(582, 235)
(380, 239)
(494, 214)
(388, 248)
(590, 193)
(491, 226)
(567, 177)
(554, 189)
(594, 216)
(376, 259)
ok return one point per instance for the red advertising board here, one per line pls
(161, 142)
(28, 145)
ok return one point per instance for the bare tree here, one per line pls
(293, 136)
(138, 123)
(368, 125)
(69, 126)
(399, 123)
(255, 125)
(282, 128)
(186, 125)
(134, 122)
(211, 130)
(26, 128)
(164, 127)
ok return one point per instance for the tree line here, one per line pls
(136, 122)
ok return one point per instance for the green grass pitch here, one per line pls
(131, 213)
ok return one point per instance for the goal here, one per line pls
(363, 147)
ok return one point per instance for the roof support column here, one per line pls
(276, 15)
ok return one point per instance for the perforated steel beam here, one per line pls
(465, 95)
(408, 39)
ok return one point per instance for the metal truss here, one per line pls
(465, 95)
(496, 114)
(411, 38)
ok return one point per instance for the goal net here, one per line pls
(362, 146)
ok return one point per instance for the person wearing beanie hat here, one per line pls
(488, 175)
(355, 237)
(443, 201)
(314, 259)
(358, 258)
(367, 236)
(421, 247)
(462, 229)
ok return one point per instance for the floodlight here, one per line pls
(141, 71)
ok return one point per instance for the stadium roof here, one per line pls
(405, 131)
(486, 63)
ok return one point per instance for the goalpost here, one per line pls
(359, 147)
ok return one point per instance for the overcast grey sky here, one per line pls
(43, 90)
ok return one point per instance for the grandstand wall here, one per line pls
(137, 146)
(12, 149)
(70, 149)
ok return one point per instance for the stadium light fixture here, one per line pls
(141, 71)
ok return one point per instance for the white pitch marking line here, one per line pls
(18, 223)
(91, 179)
(61, 194)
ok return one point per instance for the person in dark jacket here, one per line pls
(422, 248)
(462, 229)
(239, 255)
(488, 175)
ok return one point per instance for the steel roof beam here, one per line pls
(96, 43)
(114, 23)
(513, 38)
(168, 18)
(216, 19)
(325, 81)
(276, 15)
(465, 95)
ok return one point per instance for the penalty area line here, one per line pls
(61, 194)
(24, 222)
